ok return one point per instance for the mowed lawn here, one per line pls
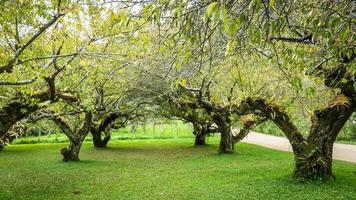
(162, 169)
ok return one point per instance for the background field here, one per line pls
(177, 129)
(162, 169)
(172, 129)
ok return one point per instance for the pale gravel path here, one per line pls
(344, 152)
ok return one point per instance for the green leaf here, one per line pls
(344, 35)
(211, 8)
(229, 47)
(223, 16)
(232, 28)
(297, 84)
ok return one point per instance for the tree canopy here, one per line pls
(91, 66)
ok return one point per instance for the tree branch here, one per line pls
(306, 39)
(22, 82)
(9, 67)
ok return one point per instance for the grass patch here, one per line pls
(174, 129)
(162, 169)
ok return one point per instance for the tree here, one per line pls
(105, 123)
(172, 106)
(47, 51)
(279, 37)
(76, 135)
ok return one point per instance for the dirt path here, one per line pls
(344, 152)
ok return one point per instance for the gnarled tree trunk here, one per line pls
(98, 141)
(15, 111)
(315, 160)
(313, 164)
(199, 132)
(76, 138)
(104, 125)
(223, 122)
(71, 153)
(199, 139)
(313, 156)
(9, 115)
(226, 140)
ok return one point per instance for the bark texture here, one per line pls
(20, 108)
(226, 141)
(9, 115)
(71, 153)
(199, 132)
(314, 161)
(247, 126)
(313, 155)
(104, 125)
(100, 141)
(226, 138)
(76, 138)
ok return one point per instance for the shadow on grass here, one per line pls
(81, 162)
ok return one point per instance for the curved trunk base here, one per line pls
(199, 132)
(99, 142)
(199, 140)
(316, 168)
(226, 143)
(71, 153)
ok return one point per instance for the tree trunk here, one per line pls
(315, 165)
(71, 153)
(199, 139)
(199, 132)
(98, 141)
(76, 138)
(226, 140)
(315, 160)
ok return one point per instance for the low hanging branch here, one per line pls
(307, 39)
(22, 107)
(313, 156)
(274, 113)
(22, 82)
(202, 122)
(247, 127)
(258, 107)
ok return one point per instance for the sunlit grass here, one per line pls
(162, 169)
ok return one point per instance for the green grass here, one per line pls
(162, 169)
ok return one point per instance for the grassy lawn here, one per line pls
(162, 169)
